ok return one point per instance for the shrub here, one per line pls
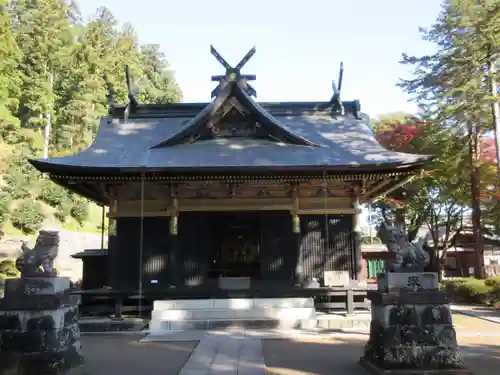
(493, 282)
(468, 290)
(100, 228)
(63, 210)
(18, 185)
(53, 194)
(80, 210)
(4, 207)
(28, 216)
(8, 268)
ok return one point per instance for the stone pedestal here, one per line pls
(411, 331)
(38, 327)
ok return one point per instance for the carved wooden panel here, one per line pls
(233, 124)
(218, 190)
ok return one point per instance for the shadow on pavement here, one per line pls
(124, 355)
(340, 356)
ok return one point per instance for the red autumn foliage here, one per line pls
(403, 137)
(488, 151)
(400, 137)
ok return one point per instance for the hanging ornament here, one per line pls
(295, 223)
(325, 194)
(173, 224)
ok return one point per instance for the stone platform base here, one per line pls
(332, 322)
(208, 314)
(375, 370)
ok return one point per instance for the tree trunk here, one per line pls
(495, 105)
(475, 179)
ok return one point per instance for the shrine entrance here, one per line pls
(235, 245)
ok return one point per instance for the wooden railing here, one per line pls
(117, 303)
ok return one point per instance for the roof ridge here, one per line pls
(225, 93)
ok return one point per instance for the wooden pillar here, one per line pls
(113, 255)
(174, 241)
(357, 238)
(296, 230)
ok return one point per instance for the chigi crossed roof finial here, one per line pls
(233, 74)
(335, 101)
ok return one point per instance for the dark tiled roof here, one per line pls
(340, 142)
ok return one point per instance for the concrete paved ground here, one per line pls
(339, 356)
(299, 355)
(122, 354)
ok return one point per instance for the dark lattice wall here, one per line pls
(194, 248)
(278, 246)
(185, 259)
(126, 253)
(155, 252)
(327, 243)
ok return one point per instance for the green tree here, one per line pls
(450, 85)
(44, 38)
(28, 216)
(9, 74)
(160, 85)
(44, 34)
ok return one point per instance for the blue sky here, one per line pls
(299, 44)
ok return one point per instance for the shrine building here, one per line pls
(232, 195)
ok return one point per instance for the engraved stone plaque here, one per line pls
(407, 281)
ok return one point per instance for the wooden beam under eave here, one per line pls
(374, 188)
(166, 208)
(392, 188)
(331, 211)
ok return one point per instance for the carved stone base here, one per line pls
(37, 337)
(412, 335)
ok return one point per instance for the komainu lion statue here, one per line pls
(39, 261)
(406, 255)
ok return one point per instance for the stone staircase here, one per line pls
(206, 314)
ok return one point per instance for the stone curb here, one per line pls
(465, 311)
(109, 333)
